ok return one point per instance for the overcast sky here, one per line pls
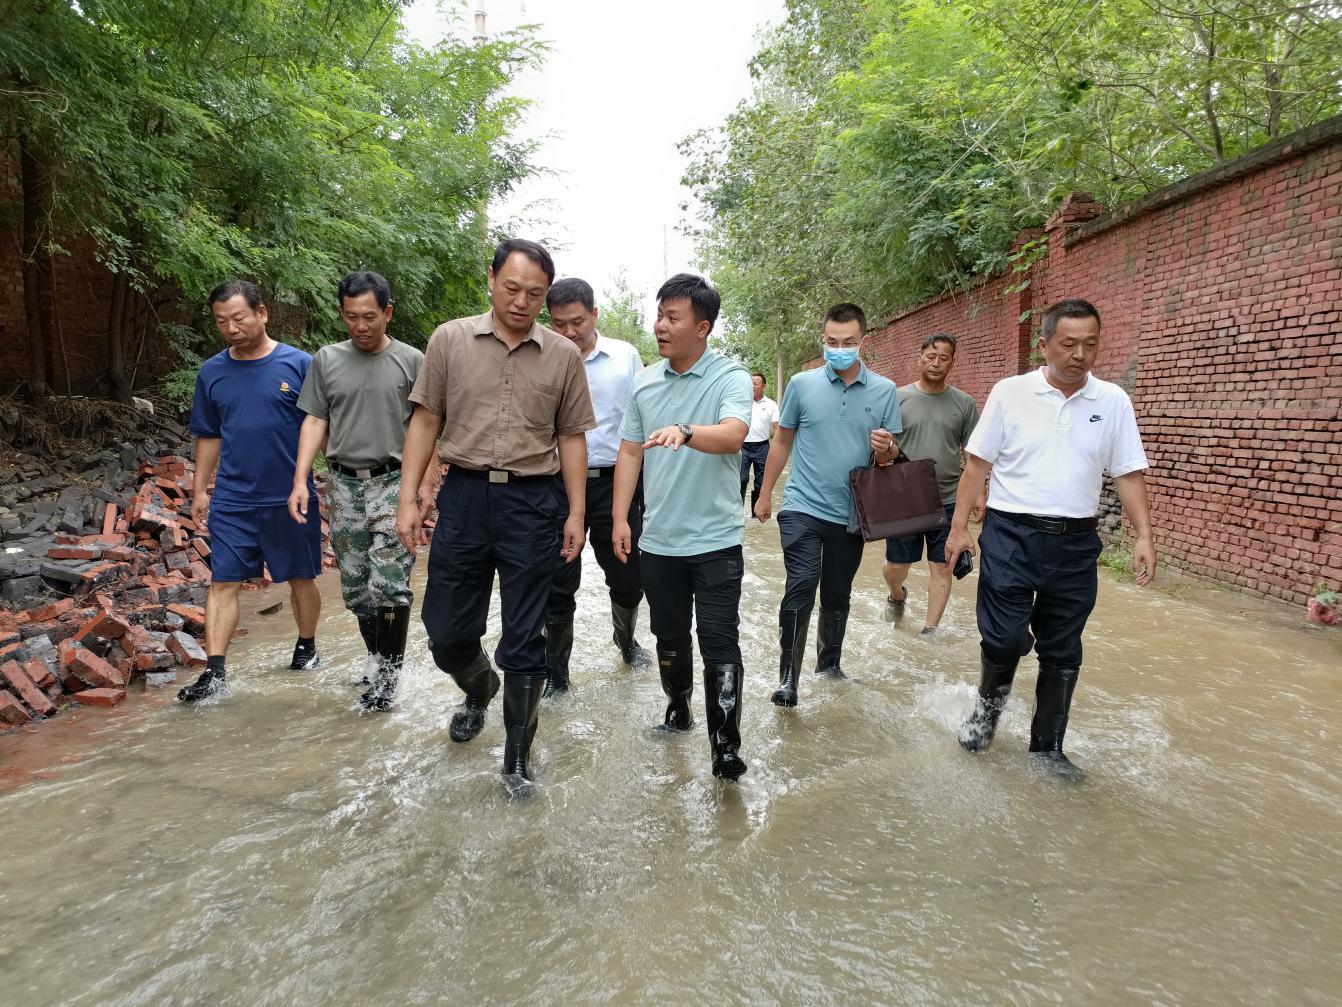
(624, 82)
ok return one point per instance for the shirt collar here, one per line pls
(861, 378)
(1090, 390)
(602, 346)
(483, 325)
(698, 370)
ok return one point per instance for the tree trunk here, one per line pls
(35, 184)
(118, 385)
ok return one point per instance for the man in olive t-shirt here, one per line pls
(357, 402)
(938, 419)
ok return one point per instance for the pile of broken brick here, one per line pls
(113, 574)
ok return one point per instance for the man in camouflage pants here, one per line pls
(356, 400)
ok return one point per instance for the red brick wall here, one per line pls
(78, 355)
(1222, 306)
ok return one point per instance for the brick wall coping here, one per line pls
(1292, 145)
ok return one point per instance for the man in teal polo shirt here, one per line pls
(834, 418)
(686, 421)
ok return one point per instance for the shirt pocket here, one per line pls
(538, 402)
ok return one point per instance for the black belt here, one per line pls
(756, 443)
(601, 473)
(1052, 525)
(493, 475)
(371, 473)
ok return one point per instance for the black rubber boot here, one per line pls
(305, 657)
(558, 648)
(995, 679)
(1052, 700)
(792, 625)
(210, 683)
(722, 706)
(367, 630)
(829, 642)
(624, 620)
(521, 701)
(677, 670)
(393, 625)
(479, 681)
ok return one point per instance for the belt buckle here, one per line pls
(593, 473)
(363, 473)
(496, 476)
(1054, 526)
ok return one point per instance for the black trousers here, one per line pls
(705, 588)
(514, 529)
(623, 580)
(820, 554)
(1035, 590)
(753, 453)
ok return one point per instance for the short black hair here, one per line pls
(358, 284)
(704, 300)
(536, 253)
(1073, 307)
(570, 290)
(249, 291)
(757, 374)
(939, 337)
(846, 312)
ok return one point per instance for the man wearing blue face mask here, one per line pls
(834, 418)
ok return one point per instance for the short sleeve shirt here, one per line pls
(503, 409)
(1049, 453)
(937, 426)
(763, 416)
(252, 407)
(612, 367)
(692, 500)
(365, 397)
(833, 424)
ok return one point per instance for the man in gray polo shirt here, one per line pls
(356, 397)
(684, 426)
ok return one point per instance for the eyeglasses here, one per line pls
(845, 345)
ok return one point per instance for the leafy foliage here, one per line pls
(892, 148)
(289, 141)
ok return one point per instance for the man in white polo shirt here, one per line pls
(1049, 437)
(612, 365)
(763, 425)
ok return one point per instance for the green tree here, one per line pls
(893, 148)
(284, 140)
(622, 317)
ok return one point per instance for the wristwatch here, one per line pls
(686, 431)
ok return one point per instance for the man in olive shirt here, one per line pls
(356, 397)
(512, 404)
(938, 419)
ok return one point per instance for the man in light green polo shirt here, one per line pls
(684, 427)
(834, 419)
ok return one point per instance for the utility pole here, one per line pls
(480, 14)
(479, 39)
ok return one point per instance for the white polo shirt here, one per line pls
(763, 416)
(1049, 453)
(611, 368)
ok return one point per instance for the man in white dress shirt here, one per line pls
(1049, 436)
(612, 365)
(755, 451)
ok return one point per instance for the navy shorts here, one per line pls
(910, 550)
(242, 540)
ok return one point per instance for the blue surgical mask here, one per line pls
(840, 359)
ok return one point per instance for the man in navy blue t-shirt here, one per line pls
(246, 420)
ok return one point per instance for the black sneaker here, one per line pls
(210, 683)
(305, 658)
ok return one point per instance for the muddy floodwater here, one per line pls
(275, 848)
